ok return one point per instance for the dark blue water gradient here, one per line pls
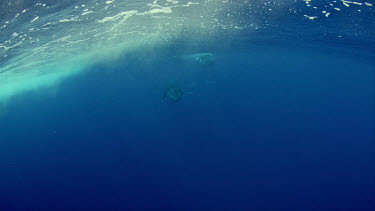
(265, 129)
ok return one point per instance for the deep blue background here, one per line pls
(263, 129)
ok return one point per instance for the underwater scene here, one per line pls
(187, 105)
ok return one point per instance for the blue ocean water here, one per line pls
(279, 116)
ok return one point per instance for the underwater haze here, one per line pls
(187, 105)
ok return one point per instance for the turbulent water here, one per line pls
(187, 105)
(42, 42)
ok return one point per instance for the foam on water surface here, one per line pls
(44, 42)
